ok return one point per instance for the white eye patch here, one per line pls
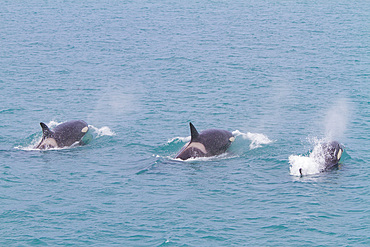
(85, 129)
(339, 155)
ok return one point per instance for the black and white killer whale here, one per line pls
(332, 152)
(65, 134)
(205, 144)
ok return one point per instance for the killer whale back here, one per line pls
(209, 142)
(70, 132)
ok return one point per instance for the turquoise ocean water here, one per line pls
(282, 76)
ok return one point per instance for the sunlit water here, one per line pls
(282, 77)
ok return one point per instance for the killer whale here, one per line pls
(331, 153)
(208, 143)
(65, 134)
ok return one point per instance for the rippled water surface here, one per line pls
(281, 76)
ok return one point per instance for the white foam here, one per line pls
(307, 165)
(257, 139)
(32, 147)
(210, 158)
(103, 131)
(28, 148)
(312, 164)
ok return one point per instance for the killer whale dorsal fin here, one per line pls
(46, 132)
(193, 131)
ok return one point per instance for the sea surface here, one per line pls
(282, 76)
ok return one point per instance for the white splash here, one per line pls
(32, 146)
(103, 131)
(28, 148)
(201, 159)
(257, 139)
(307, 165)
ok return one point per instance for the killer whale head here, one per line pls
(207, 143)
(332, 152)
(65, 134)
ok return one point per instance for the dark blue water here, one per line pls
(281, 76)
